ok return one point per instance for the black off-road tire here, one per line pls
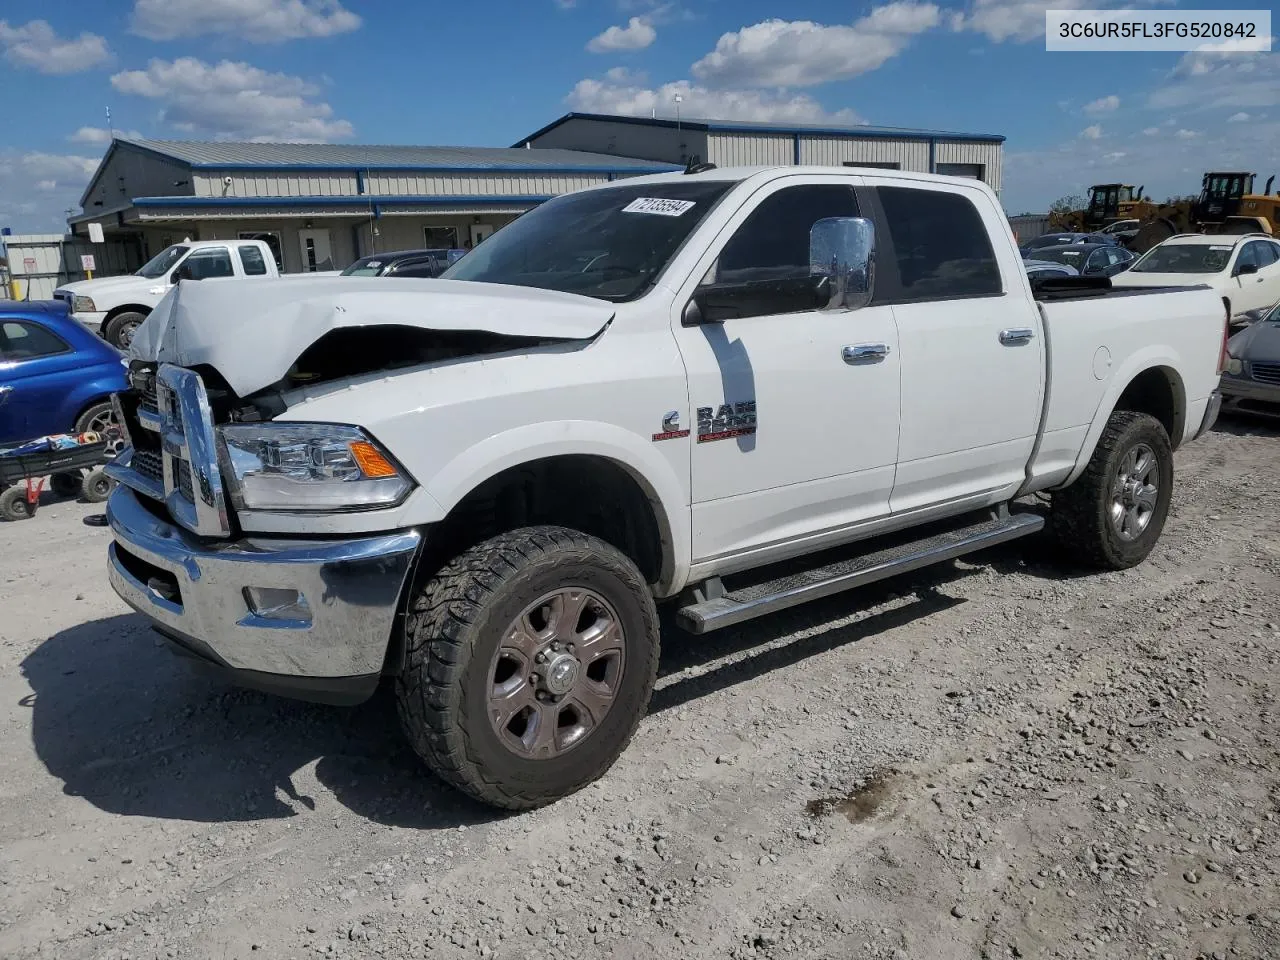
(454, 626)
(13, 503)
(118, 324)
(1080, 515)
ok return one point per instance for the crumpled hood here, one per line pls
(87, 288)
(1258, 343)
(252, 332)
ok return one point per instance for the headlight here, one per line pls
(81, 304)
(307, 467)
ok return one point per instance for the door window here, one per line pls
(208, 263)
(254, 263)
(940, 247)
(1266, 253)
(27, 341)
(1248, 255)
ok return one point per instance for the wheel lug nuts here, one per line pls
(541, 658)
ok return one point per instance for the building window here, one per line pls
(973, 171)
(440, 237)
(877, 165)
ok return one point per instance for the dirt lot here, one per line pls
(990, 759)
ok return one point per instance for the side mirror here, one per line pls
(842, 250)
(183, 272)
(1244, 269)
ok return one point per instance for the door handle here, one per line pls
(864, 352)
(1016, 336)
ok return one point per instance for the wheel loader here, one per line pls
(1227, 204)
(1108, 203)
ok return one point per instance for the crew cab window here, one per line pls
(764, 268)
(208, 263)
(255, 265)
(28, 341)
(940, 246)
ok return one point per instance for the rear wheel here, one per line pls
(1113, 514)
(529, 663)
(13, 504)
(120, 329)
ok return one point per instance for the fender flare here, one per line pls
(512, 448)
(1152, 357)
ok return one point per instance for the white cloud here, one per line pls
(101, 135)
(257, 21)
(636, 35)
(36, 189)
(44, 186)
(1103, 105)
(35, 45)
(625, 75)
(1220, 81)
(1240, 117)
(597, 96)
(232, 100)
(1114, 155)
(1023, 20)
(1092, 133)
(799, 53)
(1184, 134)
(1151, 131)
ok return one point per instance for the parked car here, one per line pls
(55, 375)
(1061, 239)
(116, 306)
(405, 263)
(483, 487)
(1088, 259)
(1122, 230)
(1243, 270)
(1251, 381)
(1043, 269)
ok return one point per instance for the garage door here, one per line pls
(973, 171)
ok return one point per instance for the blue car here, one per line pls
(56, 376)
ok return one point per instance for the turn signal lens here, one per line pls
(371, 461)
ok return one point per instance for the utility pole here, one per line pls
(679, 139)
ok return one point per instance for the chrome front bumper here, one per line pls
(200, 594)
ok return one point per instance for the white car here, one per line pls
(656, 390)
(1243, 270)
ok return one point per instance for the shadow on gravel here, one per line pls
(1248, 425)
(135, 731)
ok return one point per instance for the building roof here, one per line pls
(227, 155)
(741, 126)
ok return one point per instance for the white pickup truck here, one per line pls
(731, 390)
(116, 306)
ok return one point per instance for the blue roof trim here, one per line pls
(733, 126)
(363, 200)
(650, 167)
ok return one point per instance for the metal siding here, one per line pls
(911, 155)
(990, 155)
(626, 140)
(135, 173)
(409, 184)
(750, 149)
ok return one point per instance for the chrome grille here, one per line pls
(174, 455)
(1265, 372)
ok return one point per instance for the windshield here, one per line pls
(1072, 258)
(162, 262)
(1185, 258)
(610, 243)
(364, 267)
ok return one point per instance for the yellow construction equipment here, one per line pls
(1108, 203)
(1227, 204)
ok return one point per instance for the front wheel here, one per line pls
(1113, 514)
(120, 330)
(529, 663)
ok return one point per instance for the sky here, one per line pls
(489, 73)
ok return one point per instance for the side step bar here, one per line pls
(755, 600)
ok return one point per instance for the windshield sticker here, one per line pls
(374, 264)
(659, 206)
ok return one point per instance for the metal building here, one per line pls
(729, 143)
(321, 206)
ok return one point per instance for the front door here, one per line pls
(1253, 291)
(793, 435)
(480, 232)
(35, 366)
(316, 253)
(973, 356)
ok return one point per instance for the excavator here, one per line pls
(1227, 204)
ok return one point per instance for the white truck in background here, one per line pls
(730, 390)
(116, 306)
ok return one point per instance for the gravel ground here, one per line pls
(990, 759)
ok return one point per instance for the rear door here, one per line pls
(1253, 291)
(972, 347)
(36, 366)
